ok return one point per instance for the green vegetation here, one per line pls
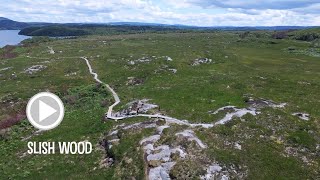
(36, 40)
(81, 30)
(81, 122)
(275, 144)
(302, 138)
(306, 35)
(53, 31)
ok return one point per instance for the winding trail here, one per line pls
(169, 120)
(114, 94)
(163, 153)
(110, 115)
(152, 152)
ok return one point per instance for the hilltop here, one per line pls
(2, 18)
(7, 24)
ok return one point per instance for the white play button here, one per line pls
(45, 111)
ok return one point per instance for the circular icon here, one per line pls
(45, 111)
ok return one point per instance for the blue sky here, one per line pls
(188, 12)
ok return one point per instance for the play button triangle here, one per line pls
(45, 111)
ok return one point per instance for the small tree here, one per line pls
(244, 34)
(280, 35)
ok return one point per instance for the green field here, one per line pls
(274, 144)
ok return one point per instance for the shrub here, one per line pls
(244, 34)
(302, 138)
(316, 43)
(12, 121)
(306, 35)
(280, 35)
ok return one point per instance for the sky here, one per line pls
(187, 12)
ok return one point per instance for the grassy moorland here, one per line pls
(275, 144)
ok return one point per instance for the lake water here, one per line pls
(11, 37)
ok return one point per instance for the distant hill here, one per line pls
(53, 31)
(90, 29)
(7, 24)
(77, 29)
(2, 18)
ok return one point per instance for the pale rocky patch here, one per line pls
(71, 74)
(133, 81)
(136, 107)
(200, 61)
(5, 69)
(51, 51)
(190, 135)
(35, 69)
(223, 172)
(235, 112)
(303, 116)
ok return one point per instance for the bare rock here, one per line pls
(34, 69)
(303, 116)
(132, 81)
(201, 61)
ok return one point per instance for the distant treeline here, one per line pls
(103, 29)
(303, 35)
(310, 35)
(81, 30)
(53, 31)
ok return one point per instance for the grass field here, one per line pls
(274, 144)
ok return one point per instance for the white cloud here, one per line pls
(254, 4)
(189, 12)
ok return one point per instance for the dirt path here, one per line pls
(161, 152)
(114, 94)
(158, 153)
(169, 120)
(110, 115)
